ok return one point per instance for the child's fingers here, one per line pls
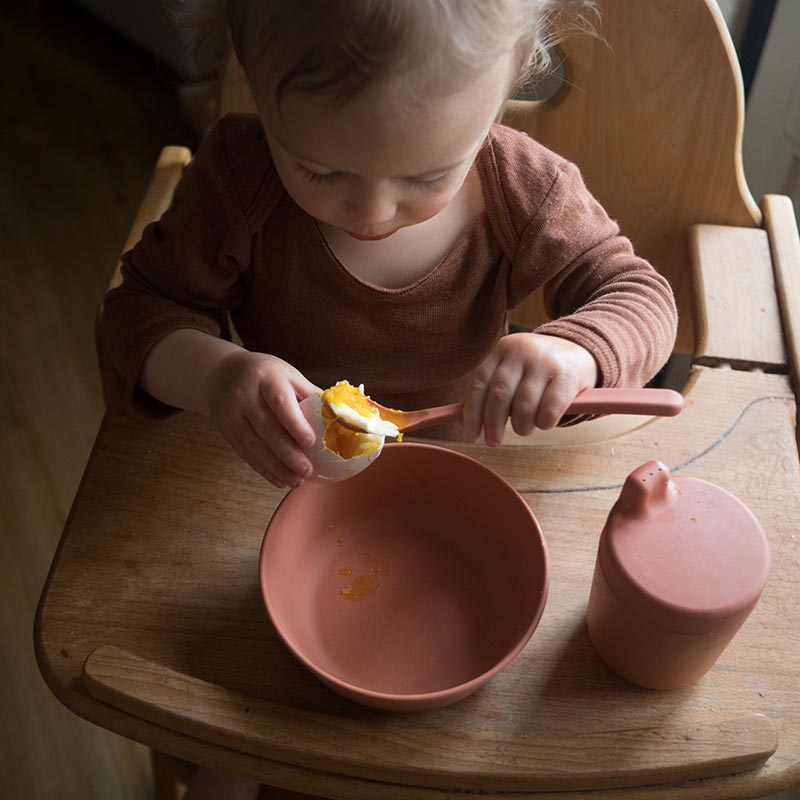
(555, 400)
(281, 404)
(472, 415)
(499, 399)
(525, 406)
(475, 398)
(280, 451)
(263, 455)
(248, 448)
(302, 386)
(265, 473)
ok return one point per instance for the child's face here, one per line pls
(372, 167)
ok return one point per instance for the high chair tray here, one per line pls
(151, 624)
(271, 730)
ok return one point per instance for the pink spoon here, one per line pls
(650, 402)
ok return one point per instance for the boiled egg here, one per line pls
(338, 452)
(356, 410)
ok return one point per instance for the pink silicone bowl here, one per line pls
(410, 585)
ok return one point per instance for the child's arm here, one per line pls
(251, 397)
(612, 316)
(165, 326)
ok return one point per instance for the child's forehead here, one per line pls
(380, 132)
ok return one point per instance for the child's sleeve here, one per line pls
(597, 292)
(186, 272)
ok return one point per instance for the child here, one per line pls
(373, 224)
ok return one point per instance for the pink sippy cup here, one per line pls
(680, 565)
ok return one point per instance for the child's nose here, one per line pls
(372, 207)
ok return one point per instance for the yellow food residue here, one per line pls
(364, 585)
(378, 567)
(361, 587)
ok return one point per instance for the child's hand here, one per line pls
(529, 377)
(253, 400)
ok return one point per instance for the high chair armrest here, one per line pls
(784, 242)
(167, 172)
(737, 319)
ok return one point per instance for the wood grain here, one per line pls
(163, 541)
(84, 116)
(657, 135)
(781, 225)
(738, 319)
(497, 762)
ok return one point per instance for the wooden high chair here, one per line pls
(151, 623)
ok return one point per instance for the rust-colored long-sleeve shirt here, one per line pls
(234, 242)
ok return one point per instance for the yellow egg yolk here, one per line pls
(345, 394)
(345, 442)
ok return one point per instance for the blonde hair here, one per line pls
(336, 48)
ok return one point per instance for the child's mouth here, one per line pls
(363, 238)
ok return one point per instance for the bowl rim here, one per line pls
(464, 688)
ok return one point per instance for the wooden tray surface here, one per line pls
(157, 567)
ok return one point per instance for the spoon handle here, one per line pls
(655, 402)
(423, 417)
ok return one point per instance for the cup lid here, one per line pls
(683, 553)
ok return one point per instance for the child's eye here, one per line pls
(319, 178)
(431, 184)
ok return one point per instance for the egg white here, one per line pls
(330, 466)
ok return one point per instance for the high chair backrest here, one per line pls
(652, 110)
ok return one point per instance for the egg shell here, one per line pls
(330, 466)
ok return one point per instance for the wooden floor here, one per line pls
(83, 117)
(84, 114)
